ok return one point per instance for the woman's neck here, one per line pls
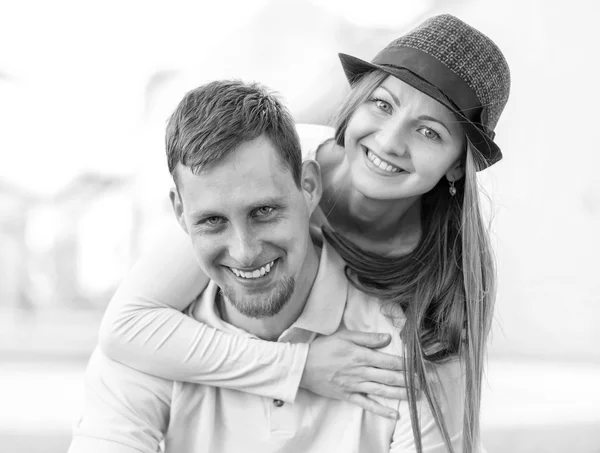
(382, 226)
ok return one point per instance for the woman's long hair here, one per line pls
(445, 286)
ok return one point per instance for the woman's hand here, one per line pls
(344, 366)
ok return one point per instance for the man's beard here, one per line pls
(262, 305)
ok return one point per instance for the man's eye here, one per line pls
(265, 210)
(213, 221)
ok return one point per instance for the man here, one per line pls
(245, 199)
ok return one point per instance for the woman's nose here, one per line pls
(391, 138)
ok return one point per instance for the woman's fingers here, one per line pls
(373, 406)
(367, 355)
(372, 389)
(378, 359)
(345, 363)
(366, 339)
(384, 377)
(381, 383)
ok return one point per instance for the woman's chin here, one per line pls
(374, 192)
(373, 188)
(386, 189)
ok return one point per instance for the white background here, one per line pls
(85, 88)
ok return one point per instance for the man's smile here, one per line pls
(253, 273)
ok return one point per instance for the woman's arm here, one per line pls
(143, 327)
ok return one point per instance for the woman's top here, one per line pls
(144, 328)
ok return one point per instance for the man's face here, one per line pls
(249, 226)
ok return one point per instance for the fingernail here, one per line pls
(393, 415)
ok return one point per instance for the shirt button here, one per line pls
(278, 403)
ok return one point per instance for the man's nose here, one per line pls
(392, 137)
(245, 248)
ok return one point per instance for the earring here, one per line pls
(452, 189)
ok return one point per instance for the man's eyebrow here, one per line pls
(394, 97)
(279, 201)
(204, 213)
(431, 118)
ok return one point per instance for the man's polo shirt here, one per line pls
(128, 411)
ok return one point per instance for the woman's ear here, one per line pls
(311, 185)
(456, 172)
(178, 208)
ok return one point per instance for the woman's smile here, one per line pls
(380, 162)
(380, 166)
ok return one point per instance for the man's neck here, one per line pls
(271, 328)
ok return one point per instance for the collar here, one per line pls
(324, 307)
(326, 302)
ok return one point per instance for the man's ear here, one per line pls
(456, 172)
(310, 184)
(178, 208)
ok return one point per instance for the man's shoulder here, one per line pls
(370, 314)
(361, 311)
(124, 409)
(374, 308)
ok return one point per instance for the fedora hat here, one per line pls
(457, 66)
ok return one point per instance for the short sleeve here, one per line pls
(124, 410)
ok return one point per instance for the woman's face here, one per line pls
(401, 142)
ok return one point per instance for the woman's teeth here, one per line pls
(381, 164)
(257, 273)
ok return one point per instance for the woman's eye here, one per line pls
(383, 105)
(429, 133)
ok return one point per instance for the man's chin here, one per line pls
(264, 304)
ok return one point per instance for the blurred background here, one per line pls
(85, 90)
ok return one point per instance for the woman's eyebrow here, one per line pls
(422, 117)
(431, 118)
(394, 97)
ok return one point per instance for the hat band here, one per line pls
(437, 74)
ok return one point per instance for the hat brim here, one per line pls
(355, 68)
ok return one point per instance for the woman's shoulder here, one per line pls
(312, 137)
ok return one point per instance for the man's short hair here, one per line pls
(214, 119)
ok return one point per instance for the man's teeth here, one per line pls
(260, 272)
(381, 164)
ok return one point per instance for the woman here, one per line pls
(400, 204)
